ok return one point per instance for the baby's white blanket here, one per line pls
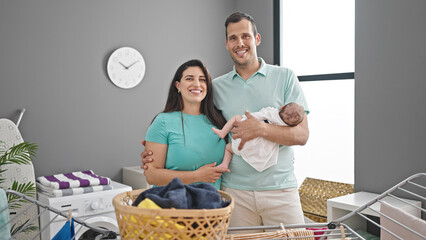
(259, 152)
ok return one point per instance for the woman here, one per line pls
(180, 137)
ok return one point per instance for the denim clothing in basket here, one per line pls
(181, 196)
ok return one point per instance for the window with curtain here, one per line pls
(316, 41)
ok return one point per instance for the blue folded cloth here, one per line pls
(180, 196)
(4, 216)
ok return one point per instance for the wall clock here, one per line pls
(126, 67)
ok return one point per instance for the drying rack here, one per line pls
(103, 234)
(414, 187)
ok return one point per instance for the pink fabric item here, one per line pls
(414, 223)
(316, 232)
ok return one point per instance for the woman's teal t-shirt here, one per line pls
(187, 152)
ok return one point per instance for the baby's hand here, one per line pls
(218, 132)
(223, 166)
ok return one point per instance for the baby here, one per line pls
(259, 152)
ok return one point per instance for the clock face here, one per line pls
(126, 67)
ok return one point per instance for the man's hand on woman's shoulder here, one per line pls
(146, 157)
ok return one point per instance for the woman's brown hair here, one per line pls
(175, 102)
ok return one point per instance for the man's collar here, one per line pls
(261, 70)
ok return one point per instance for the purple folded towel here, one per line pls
(73, 180)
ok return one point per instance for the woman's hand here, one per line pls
(157, 175)
(209, 173)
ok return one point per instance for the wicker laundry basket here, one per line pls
(314, 194)
(144, 223)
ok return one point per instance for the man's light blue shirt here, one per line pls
(270, 86)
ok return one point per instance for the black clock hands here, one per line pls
(123, 65)
(127, 67)
(133, 63)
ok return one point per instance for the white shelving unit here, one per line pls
(134, 177)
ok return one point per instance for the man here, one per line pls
(269, 197)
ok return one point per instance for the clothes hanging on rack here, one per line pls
(286, 233)
(67, 232)
(318, 232)
(402, 219)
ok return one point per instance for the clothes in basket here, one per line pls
(181, 196)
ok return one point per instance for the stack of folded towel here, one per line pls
(73, 183)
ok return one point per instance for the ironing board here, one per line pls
(10, 135)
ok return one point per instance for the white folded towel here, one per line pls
(71, 191)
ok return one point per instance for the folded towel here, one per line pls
(73, 180)
(180, 196)
(4, 216)
(71, 191)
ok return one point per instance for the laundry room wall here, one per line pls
(390, 71)
(262, 12)
(53, 56)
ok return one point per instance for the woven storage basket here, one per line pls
(314, 194)
(144, 223)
